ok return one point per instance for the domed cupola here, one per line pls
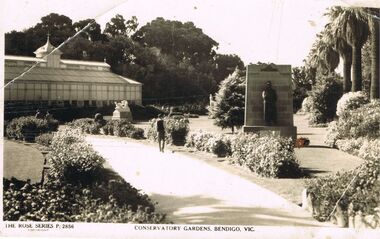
(44, 51)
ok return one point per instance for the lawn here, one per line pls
(22, 161)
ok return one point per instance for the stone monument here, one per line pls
(122, 111)
(269, 100)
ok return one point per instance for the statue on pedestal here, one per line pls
(269, 104)
(122, 111)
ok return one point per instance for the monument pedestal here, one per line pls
(284, 131)
(119, 115)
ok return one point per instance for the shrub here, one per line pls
(360, 122)
(324, 97)
(86, 125)
(350, 101)
(74, 203)
(199, 140)
(219, 145)
(29, 127)
(362, 193)
(45, 139)
(267, 156)
(71, 159)
(307, 105)
(176, 130)
(136, 133)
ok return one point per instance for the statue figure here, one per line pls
(269, 104)
(122, 111)
(122, 106)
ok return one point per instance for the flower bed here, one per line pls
(73, 203)
(218, 144)
(267, 156)
(29, 127)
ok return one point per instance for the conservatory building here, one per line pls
(57, 81)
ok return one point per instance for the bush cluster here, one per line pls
(71, 159)
(350, 101)
(29, 127)
(356, 123)
(120, 128)
(74, 203)
(323, 98)
(45, 139)
(217, 144)
(176, 130)
(123, 128)
(268, 156)
(362, 195)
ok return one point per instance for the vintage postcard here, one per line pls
(190, 119)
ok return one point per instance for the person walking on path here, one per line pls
(161, 133)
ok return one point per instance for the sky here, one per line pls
(278, 31)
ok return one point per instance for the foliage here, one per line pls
(75, 203)
(324, 97)
(307, 105)
(72, 159)
(362, 193)
(361, 122)
(228, 108)
(45, 139)
(123, 128)
(350, 101)
(267, 156)
(86, 125)
(29, 127)
(302, 84)
(176, 130)
(218, 144)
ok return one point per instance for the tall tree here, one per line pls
(352, 25)
(374, 23)
(341, 45)
(119, 26)
(92, 33)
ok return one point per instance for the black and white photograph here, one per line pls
(190, 119)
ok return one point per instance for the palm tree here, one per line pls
(340, 45)
(322, 56)
(374, 22)
(352, 25)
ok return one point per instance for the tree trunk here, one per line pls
(347, 63)
(356, 68)
(375, 84)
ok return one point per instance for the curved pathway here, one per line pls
(190, 191)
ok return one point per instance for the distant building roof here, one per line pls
(66, 75)
(88, 63)
(23, 58)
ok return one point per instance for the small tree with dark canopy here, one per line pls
(228, 108)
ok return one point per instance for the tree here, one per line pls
(352, 25)
(228, 108)
(226, 64)
(302, 84)
(374, 22)
(92, 33)
(119, 26)
(322, 55)
(340, 45)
